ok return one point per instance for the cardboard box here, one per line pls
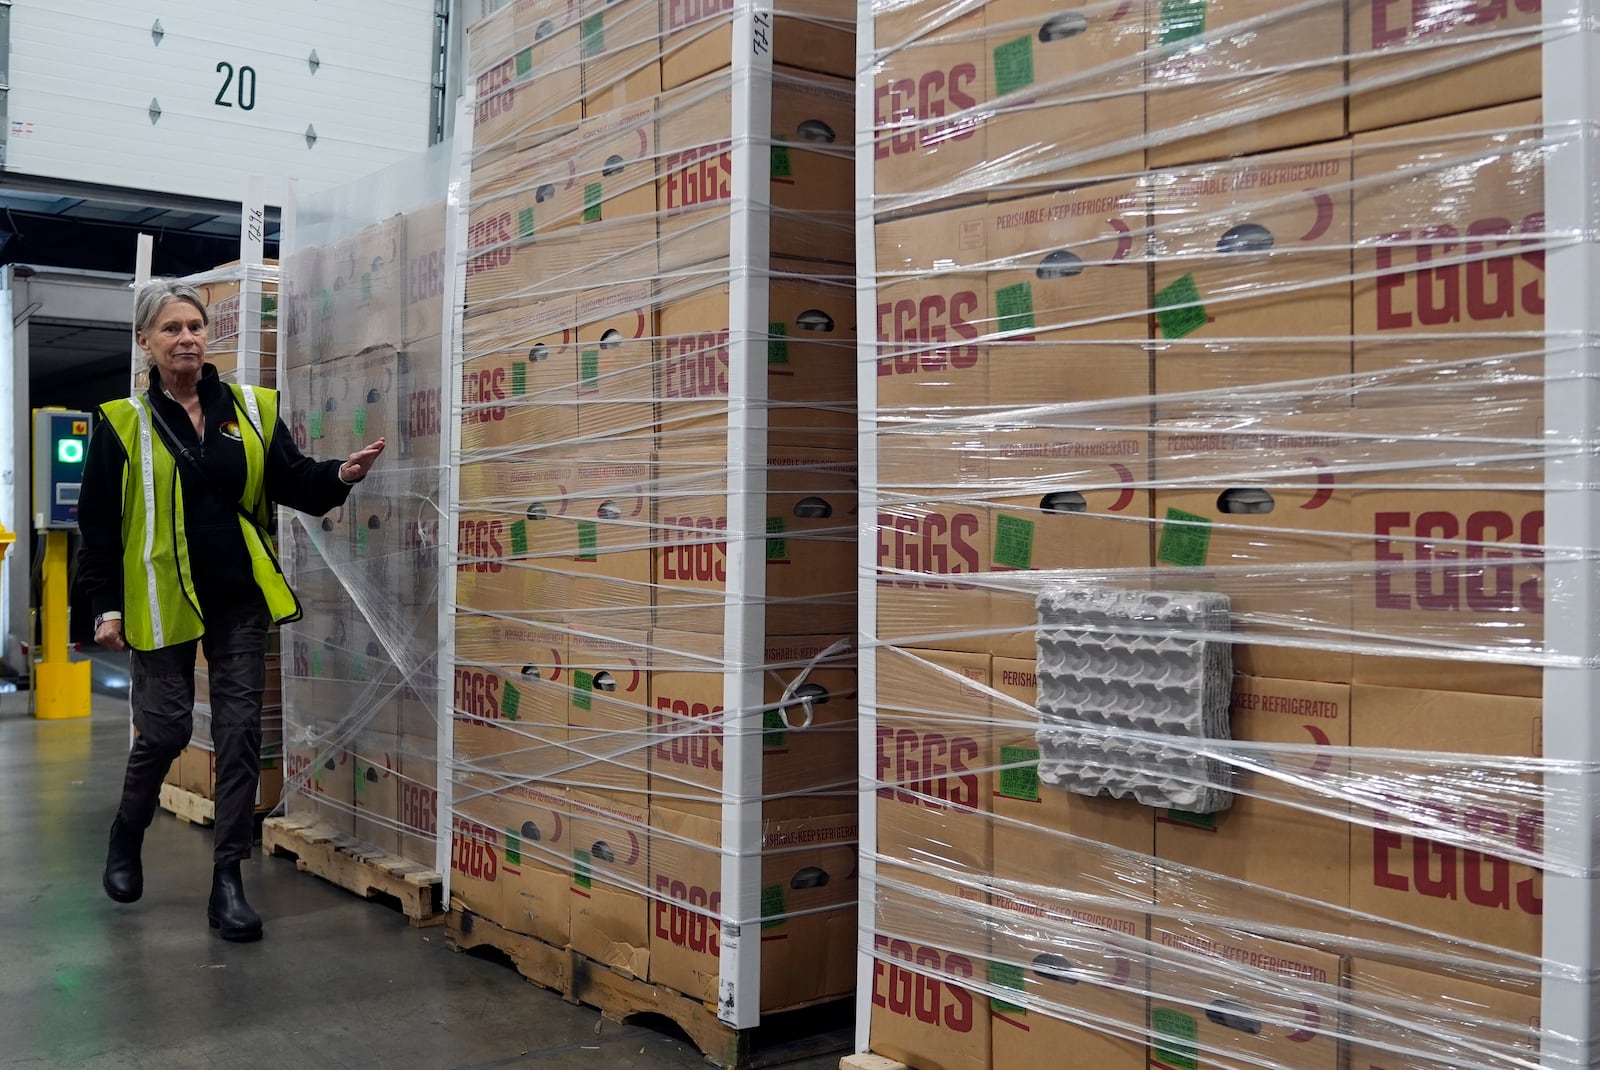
(420, 412)
(1410, 189)
(477, 851)
(812, 187)
(610, 879)
(1066, 81)
(1265, 842)
(1248, 57)
(930, 137)
(616, 163)
(802, 768)
(1458, 59)
(561, 265)
(1255, 531)
(377, 789)
(807, 926)
(300, 323)
(1257, 247)
(809, 546)
(1438, 1018)
(925, 1010)
(616, 368)
(195, 771)
(1455, 569)
(525, 60)
(510, 698)
(1456, 892)
(363, 305)
(608, 715)
(519, 378)
(1098, 974)
(1205, 1015)
(536, 898)
(429, 270)
(417, 788)
(621, 54)
(811, 387)
(699, 39)
(924, 548)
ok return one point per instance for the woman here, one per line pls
(173, 511)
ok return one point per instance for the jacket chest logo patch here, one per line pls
(230, 429)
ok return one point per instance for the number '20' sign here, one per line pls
(243, 87)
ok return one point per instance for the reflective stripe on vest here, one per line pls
(147, 481)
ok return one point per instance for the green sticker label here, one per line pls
(1009, 976)
(358, 666)
(1179, 312)
(316, 424)
(525, 226)
(513, 848)
(589, 369)
(1014, 306)
(269, 308)
(361, 540)
(1013, 65)
(773, 734)
(366, 287)
(1020, 777)
(316, 662)
(1177, 1039)
(1208, 822)
(583, 689)
(519, 379)
(1181, 20)
(594, 35)
(777, 549)
(327, 302)
(511, 701)
(1185, 540)
(360, 422)
(773, 907)
(361, 784)
(781, 167)
(582, 870)
(593, 193)
(519, 537)
(525, 64)
(1013, 542)
(588, 540)
(777, 343)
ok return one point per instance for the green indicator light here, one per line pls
(69, 451)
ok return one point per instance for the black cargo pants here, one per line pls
(163, 713)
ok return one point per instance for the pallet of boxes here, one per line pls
(1209, 523)
(241, 355)
(605, 330)
(363, 334)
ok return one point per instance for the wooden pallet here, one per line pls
(357, 867)
(187, 806)
(869, 1061)
(781, 1038)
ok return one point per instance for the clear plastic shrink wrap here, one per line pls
(1199, 300)
(242, 341)
(656, 495)
(363, 328)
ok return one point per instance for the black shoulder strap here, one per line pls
(178, 449)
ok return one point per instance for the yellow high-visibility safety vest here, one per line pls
(159, 605)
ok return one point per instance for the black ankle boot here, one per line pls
(228, 910)
(123, 879)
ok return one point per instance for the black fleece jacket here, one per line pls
(218, 556)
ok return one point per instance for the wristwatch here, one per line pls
(110, 614)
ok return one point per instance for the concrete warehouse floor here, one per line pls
(338, 982)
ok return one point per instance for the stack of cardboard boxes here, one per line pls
(604, 333)
(362, 324)
(1252, 328)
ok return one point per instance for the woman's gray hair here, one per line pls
(154, 295)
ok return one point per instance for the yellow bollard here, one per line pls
(61, 686)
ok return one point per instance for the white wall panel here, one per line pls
(83, 74)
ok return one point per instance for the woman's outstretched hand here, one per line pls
(361, 461)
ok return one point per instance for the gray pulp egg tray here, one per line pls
(1115, 662)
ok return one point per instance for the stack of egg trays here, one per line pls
(1130, 690)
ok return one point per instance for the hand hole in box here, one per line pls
(602, 852)
(546, 192)
(1062, 26)
(538, 511)
(1060, 264)
(1245, 501)
(816, 130)
(814, 319)
(531, 672)
(546, 28)
(611, 339)
(813, 508)
(604, 681)
(1064, 501)
(613, 166)
(815, 694)
(1231, 1014)
(1246, 238)
(609, 510)
(538, 354)
(531, 833)
(1054, 967)
(810, 877)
